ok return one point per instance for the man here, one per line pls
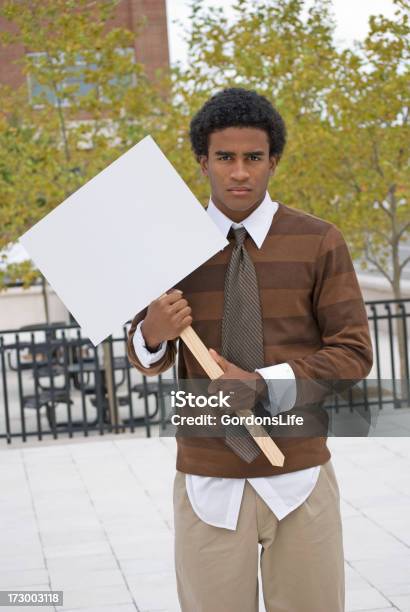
(284, 300)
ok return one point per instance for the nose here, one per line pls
(239, 171)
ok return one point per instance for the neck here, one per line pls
(235, 215)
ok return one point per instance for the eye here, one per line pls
(254, 157)
(224, 157)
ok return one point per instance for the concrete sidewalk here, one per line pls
(94, 519)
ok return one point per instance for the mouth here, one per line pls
(239, 191)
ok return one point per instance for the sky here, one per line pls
(351, 19)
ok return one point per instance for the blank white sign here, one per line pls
(120, 241)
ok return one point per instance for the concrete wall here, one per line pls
(26, 306)
(20, 307)
(378, 288)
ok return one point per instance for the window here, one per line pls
(75, 76)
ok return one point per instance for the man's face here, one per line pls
(238, 167)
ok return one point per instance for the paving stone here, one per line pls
(364, 599)
(402, 602)
(74, 578)
(154, 591)
(95, 597)
(103, 507)
(102, 608)
(31, 578)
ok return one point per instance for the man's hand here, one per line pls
(247, 388)
(166, 318)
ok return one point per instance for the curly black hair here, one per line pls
(237, 107)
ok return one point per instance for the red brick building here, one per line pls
(151, 46)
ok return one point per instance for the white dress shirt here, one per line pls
(217, 501)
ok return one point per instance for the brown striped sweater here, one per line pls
(314, 318)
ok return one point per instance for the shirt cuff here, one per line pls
(145, 356)
(281, 383)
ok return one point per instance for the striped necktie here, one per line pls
(242, 331)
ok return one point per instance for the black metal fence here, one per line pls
(55, 383)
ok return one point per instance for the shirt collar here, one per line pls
(257, 224)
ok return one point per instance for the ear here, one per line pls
(273, 162)
(203, 162)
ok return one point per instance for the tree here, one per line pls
(370, 106)
(322, 92)
(89, 101)
(273, 48)
(347, 111)
(347, 114)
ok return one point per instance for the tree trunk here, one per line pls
(45, 299)
(400, 329)
(403, 382)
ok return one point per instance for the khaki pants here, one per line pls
(302, 561)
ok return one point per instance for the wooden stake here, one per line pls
(201, 353)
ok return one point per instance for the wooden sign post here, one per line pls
(200, 352)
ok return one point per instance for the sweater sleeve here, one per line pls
(161, 366)
(346, 354)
